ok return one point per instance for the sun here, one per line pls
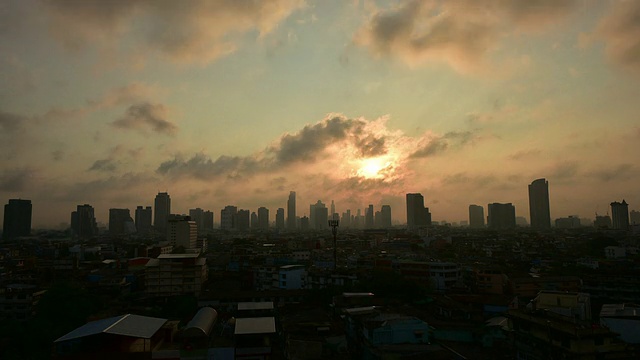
(370, 168)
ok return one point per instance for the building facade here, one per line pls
(620, 215)
(476, 216)
(17, 219)
(291, 211)
(539, 213)
(501, 216)
(182, 231)
(162, 209)
(417, 214)
(143, 219)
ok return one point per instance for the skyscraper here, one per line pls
(254, 220)
(143, 219)
(242, 220)
(291, 211)
(83, 222)
(369, 217)
(332, 215)
(501, 216)
(539, 214)
(280, 218)
(161, 212)
(263, 218)
(228, 217)
(417, 214)
(385, 216)
(197, 215)
(620, 215)
(318, 216)
(17, 219)
(207, 220)
(476, 216)
(120, 221)
(634, 217)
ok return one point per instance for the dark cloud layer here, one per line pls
(16, 179)
(10, 122)
(146, 116)
(435, 145)
(458, 32)
(621, 33)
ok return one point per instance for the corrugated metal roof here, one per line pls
(255, 305)
(259, 325)
(125, 325)
(202, 322)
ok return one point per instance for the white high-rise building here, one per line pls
(182, 231)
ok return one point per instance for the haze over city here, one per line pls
(238, 103)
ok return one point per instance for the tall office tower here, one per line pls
(377, 220)
(120, 222)
(501, 216)
(263, 218)
(304, 223)
(291, 211)
(369, 217)
(620, 215)
(207, 221)
(254, 220)
(634, 217)
(476, 216)
(385, 216)
(333, 210)
(345, 222)
(280, 218)
(417, 214)
(143, 219)
(161, 212)
(197, 215)
(228, 217)
(83, 222)
(182, 231)
(242, 221)
(17, 219)
(318, 216)
(539, 204)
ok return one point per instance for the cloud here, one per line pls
(144, 116)
(436, 144)
(107, 165)
(10, 122)
(193, 31)
(460, 33)
(616, 173)
(16, 179)
(131, 93)
(202, 167)
(620, 30)
(524, 154)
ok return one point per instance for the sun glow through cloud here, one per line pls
(371, 168)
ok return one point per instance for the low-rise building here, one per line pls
(176, 274)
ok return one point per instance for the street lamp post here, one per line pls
(334, 230)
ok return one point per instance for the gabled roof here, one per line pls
(125, 325)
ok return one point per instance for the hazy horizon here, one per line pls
(237, 103)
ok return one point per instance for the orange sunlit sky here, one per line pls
(225, 102)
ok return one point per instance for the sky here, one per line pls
(238, 102)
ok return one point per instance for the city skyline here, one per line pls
(362, 102)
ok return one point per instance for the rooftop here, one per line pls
(257, 325)
(125, 325)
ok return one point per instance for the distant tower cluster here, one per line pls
(417, 214)
(539, 213)
(17, 219)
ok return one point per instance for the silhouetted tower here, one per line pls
(501, 216)
(539, 204)
(280, 218)
(333, 223)
(17, 219)
(291, 211)
(620, 215)
(162, 208)
(119, 220)
(83, 222)
(263, 218)
(385, 216)
(417, 214)
(143, 219)
(369, 217)
(476, 216)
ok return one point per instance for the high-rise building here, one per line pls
(120, 222)
(263, 218)
(634, 217)
(162, 209)
(319, 216)
(333, 211)
(385, 216)
(182, 231)
(476, 216)
(417, 214)
(539, 213)
(228, 217)
(280, 218)
(291, 211)
(254, 220)
(620, 215)
(602, 222)
(17, 219)
(197, 215)
(501, 216)
(345, 222)
(83, 222)
(369, 217)
(242, 221)
(143, 219)
(207, 221)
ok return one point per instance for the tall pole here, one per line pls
(334, 229)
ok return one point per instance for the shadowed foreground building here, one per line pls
(501, 216)
(17, 219)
